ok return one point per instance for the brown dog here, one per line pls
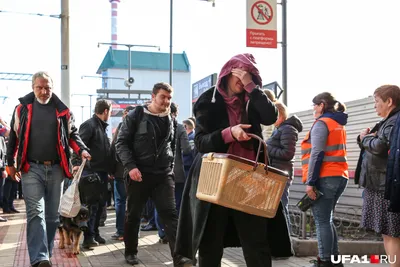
(71, 230)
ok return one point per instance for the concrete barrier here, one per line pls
(304, 248)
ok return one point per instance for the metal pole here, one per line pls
(129, 67)
(90, 108)
(82, 113)
(65, 93)
(171, 55)
(284, 52)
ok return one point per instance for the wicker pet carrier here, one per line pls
(241, 184)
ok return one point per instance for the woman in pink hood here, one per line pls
(224, 115)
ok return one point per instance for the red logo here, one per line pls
(374, 259)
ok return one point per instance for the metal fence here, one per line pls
(347, 223)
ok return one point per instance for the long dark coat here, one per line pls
(211, 119)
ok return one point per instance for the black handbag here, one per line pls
(91, 189)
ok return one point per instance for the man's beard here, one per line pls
(43, 102)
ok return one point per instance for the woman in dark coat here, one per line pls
(282, 148)
(222, 124)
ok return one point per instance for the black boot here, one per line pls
(319, 263)
(132, 259)
(89, 243)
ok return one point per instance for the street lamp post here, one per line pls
(65, 93)
(284, 51)
(90, 102)
(129, 55)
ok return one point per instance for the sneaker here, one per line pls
(118, 237)
(100, 239)
(131, 259)
(102, 224)
(44, 263)
(148, 227)
(2, 219)
(89, 243)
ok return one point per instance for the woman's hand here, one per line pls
(243, 75)
(310, 192)
(238, 132)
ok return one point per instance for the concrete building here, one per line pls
(147, 68)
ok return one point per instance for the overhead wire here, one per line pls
(31, 14)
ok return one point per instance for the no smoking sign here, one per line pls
(262, 12)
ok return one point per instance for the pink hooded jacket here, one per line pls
(234, 104)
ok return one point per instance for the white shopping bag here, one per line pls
(70, 203)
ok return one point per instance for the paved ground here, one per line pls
(13, 250)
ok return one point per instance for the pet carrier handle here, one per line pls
(259, 150)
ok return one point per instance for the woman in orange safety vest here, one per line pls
(325, 169)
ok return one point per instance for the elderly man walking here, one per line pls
(42, 132)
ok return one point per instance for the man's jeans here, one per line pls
(96, 210)
(322, 209)
(42, 187)
(120, 204)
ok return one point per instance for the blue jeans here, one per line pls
(322, 209)
(285, 203)
(96, 210)
(159, 225)
(42, 187)
(120, 204)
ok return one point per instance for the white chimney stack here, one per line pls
(114, 17)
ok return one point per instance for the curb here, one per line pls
(309, 247)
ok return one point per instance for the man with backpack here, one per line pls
(146, 147)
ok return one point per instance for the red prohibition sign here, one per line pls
(261, 12)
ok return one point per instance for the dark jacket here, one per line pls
(211, 119)
(188, 158)
(182, 148)
(282, 144)
(136, 145)
(117, 169)
(392, 187)
(94, 135)
(375, 159)
(19, 134)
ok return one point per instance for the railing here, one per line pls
(347, 223)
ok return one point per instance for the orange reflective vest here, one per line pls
(335, 161)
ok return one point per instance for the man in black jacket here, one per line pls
(146, 146)
(93, 134)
